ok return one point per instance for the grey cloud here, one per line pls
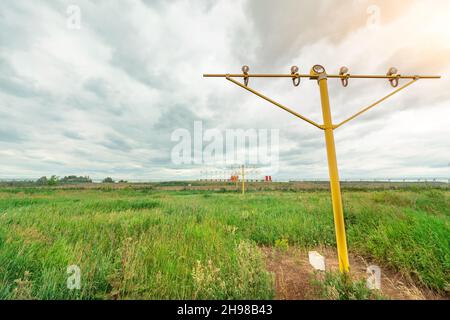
(129, 51)
(280, 36)
(11, 83)
(11, 135)
(161, 5)
(115, 142)
(98, 87)
(174, 117)
(115, 132)
(17, 88)
(73, 135)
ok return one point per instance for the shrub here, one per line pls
(108, 180)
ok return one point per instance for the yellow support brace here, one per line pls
(376, 103)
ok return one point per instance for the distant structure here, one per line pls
(233, 174)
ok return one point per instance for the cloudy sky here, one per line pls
(105, 98)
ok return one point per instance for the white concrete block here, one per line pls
(373, 277)
(316, 260)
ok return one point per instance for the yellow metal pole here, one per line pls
(338, 211)
(243, 179)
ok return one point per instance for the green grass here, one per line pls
(335, 286)
(151, 244)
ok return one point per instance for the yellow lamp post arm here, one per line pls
(375, 103)
(274, 102)
(315, 77)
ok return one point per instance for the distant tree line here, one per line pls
(111, 180)
(54, 180)
(108, 180)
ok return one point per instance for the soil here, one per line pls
(293, 275)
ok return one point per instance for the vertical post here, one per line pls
(338, 211)
(243, 179)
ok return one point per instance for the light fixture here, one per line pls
(318, 69)
(393, 72)
(245, 70)
(344, 72)
(296, 80)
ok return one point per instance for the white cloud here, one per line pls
(104, 99)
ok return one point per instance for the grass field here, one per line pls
(146, 243)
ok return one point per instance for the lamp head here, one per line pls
(343, 70)
(317, 69)
(392, 71)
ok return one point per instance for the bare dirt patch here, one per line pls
(293, 275)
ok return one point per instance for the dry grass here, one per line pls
(295, 276)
